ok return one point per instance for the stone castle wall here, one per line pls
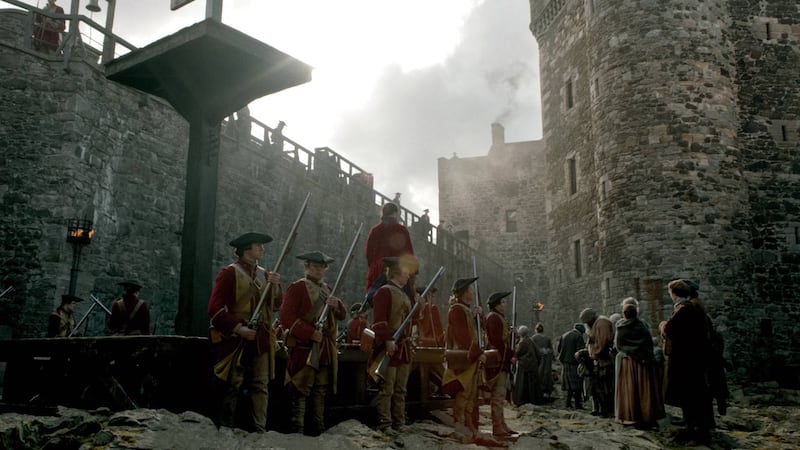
(497, 201)
(680, 121)
(77, 145)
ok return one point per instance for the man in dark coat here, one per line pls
(130, 315)
(571, 382)
(389, 238)
(599, 345)
(688, 350)
(236, 294)
(545, 350)
(526, 384)
(303, 305)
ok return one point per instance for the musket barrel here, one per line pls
(286, 247)
(313, 356)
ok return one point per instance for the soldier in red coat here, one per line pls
(303, 304)
(357, 323)
(130, 315)
(386, 239)
(498, 333)
(391, 307)
(428, 321)
(236, 294)
(462, 335)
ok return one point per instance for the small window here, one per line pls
(607, 286)
(511, 221)
(768, 31)
(597, 87)
(572, 174)
(578, 263)
(604, 190)
(784, 134)
(568, 94)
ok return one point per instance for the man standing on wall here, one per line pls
(303, 304)
(389, 238)
(130, 315)
(46, 30)
(62, 321)
(237, 291)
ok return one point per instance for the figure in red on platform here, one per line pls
(386, 239)
(130, 315)
(46, 30)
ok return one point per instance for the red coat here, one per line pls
(499, 337)
(297, 317)
(355, 328)
(222, 305)
(126, 319)
(429, 324)
(388, 238)
(462, 330)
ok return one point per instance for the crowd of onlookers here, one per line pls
(629, 369)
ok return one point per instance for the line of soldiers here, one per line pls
(243, 285)
(129, 315)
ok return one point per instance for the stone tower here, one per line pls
(671, 131)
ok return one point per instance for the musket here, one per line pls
(513, 330)
(313, 356)
(477, 302)
(222, 369)
(286, 248)
(100, 304)
(383, 366)
(95, 302)
(10, 289)
(380, 281)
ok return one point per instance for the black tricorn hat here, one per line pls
(355, 308)
(316, 257)
(67, 298)
(247, 239)
(462, 283)
(496, 297)
(130, 284)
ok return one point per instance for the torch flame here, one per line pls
(80, 232)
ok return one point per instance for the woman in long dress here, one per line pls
(639, 399)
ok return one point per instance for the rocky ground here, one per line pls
(762, 417)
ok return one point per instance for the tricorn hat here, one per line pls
(462, 283)
(355, 309)
(496, 297)
(316, 257)
(67, 298)
(247, 239)
(130, 284)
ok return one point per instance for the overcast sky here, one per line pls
(396, 84)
